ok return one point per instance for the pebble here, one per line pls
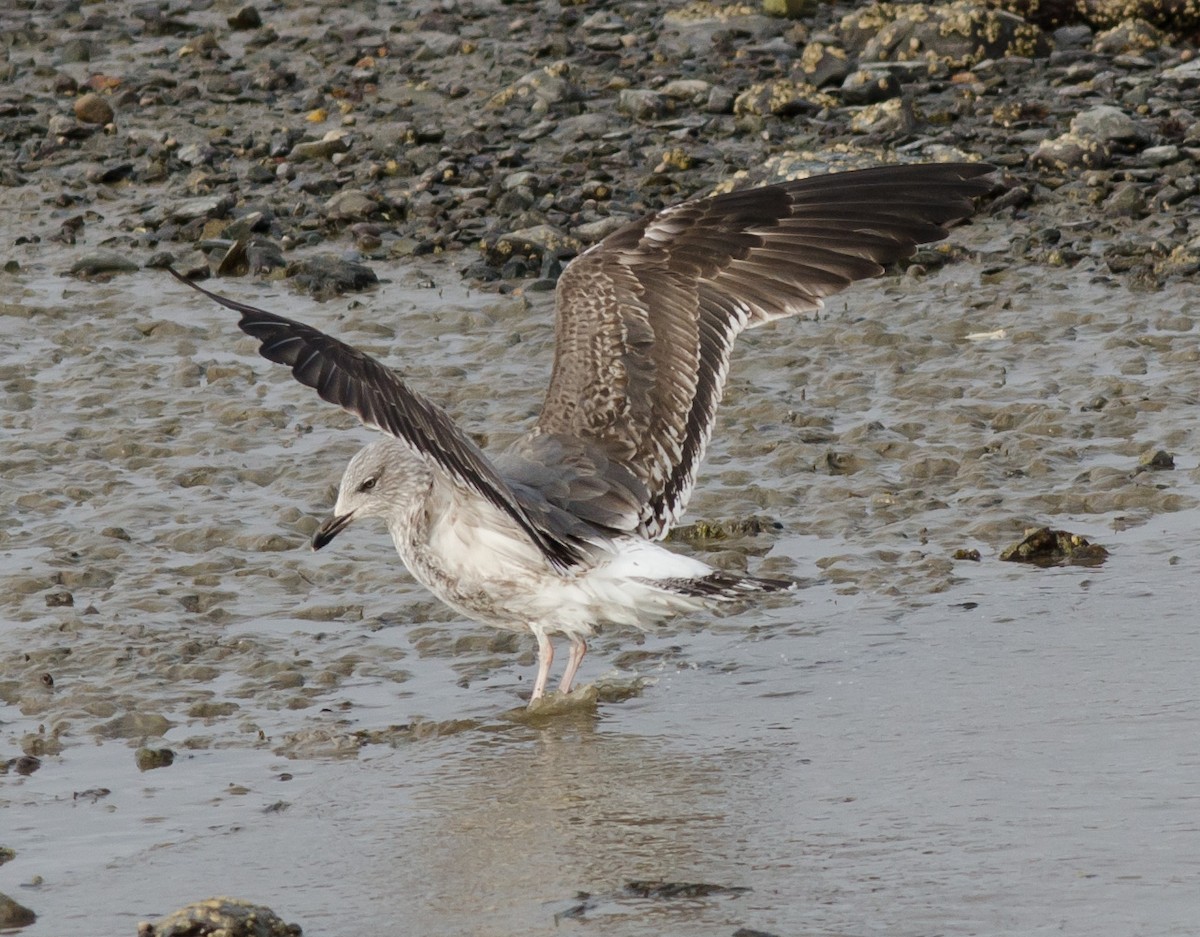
(101, 263)
(90, 108)
(319, 149)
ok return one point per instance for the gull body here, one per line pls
(559, 534)
(478, 561)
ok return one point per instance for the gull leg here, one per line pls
(545, 659)
(578, 649)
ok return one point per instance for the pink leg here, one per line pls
(545, 659)
(578, 649)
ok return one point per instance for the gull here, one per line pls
(559, 534)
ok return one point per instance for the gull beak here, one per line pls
(330, 529)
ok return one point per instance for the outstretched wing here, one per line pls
(647, 318)
(378, 396)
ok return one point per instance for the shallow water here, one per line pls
(910, 745)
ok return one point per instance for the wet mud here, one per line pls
(921, 739)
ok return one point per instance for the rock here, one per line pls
(720, 101)
(693, 90)
(1045, 547)
(792, 9)
(824, 64)
(689, 31)
(869, 87)
(781, 97)
(1075, 36)
(147, 759)
(350, 205)
(134, 725)
(889, 119)
(325, 276)
(1131, 37)
(531, 243)
(246, 17)
(1108, 125)
(545, 86)
(60, 125)
(102, 263)
(1177, 15)
(93, 109)
(190, 209)
(14, 915)
(643, 104)
(319, 149)
(1156, 460)
(1160, 155)
(227, 917)
(1070, 151)
(954, 35)
(1126, 200)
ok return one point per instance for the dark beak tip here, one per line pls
(330, 529)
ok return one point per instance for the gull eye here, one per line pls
(368, 484)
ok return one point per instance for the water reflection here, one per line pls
(519, 827)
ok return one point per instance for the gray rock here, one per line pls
(102, 263)
(60, 125)
(781, 97)
(532, 243)
(1107, 124)
(325, 276)
(888, 119)
(644, 104)
(1131, 37)
(203, 206)
(75, 51)
(134, 725)
(869, 87)
(694, 90)
(1127, 200)
(437, 45)
(825, 64)
(544, 86)
(350, 205)
(1160, 155)
(1071, 151)
(720, 101)
(319, 149)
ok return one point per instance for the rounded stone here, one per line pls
(90, 108)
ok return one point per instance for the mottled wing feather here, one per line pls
(647, 318)
(360, 384)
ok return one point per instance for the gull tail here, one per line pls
(720, 586)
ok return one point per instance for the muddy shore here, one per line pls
(413, 178)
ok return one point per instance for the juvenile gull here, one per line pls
(557, 535)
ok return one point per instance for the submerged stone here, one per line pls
(1045, 547)
(226, 917)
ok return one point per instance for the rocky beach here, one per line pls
(923, 739)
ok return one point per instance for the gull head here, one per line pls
(385, 479)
